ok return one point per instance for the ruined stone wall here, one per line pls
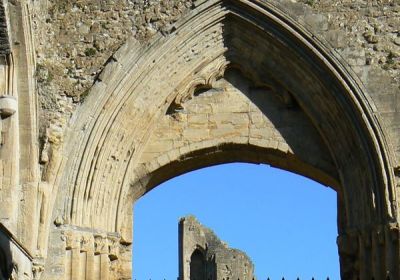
(59, 51)
(220, 261)
(4, 33)
(76, 39)
(319, 23)
(367, 35)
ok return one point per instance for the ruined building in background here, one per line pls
(101, 101)
(203, 256)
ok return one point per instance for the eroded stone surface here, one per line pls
(115, 97)
(202, 255)
(77, 39)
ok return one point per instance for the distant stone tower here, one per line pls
(203, 256)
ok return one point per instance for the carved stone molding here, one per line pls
(204, 78)
(101, 244)
(87, 251)
(37, 268)
(8, 106)
(360, 251)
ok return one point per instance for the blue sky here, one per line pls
(285, 223)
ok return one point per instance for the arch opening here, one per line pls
(278, 218)
(197, 266)
(126, 141)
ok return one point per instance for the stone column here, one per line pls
(72, 256)
(76, 248)
(87, 257)
(90, 274)
(101, 244)
(114, 246)
(8, 144)
(125, 261)
(94, 255)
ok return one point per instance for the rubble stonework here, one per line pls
(76, 39)
(104, 100)
(202, 255)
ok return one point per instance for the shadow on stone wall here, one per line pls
(288, 118)
(6, 262)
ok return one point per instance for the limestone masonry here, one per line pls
(203, 256)
(103, 100)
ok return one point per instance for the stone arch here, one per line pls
(110, 161)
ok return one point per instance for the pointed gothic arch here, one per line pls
(133, 131)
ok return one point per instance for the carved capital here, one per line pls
(114, 247)
(37, 268)
(87, 242)
(72, 240)
(101, 244)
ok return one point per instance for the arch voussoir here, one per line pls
(232, 81)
